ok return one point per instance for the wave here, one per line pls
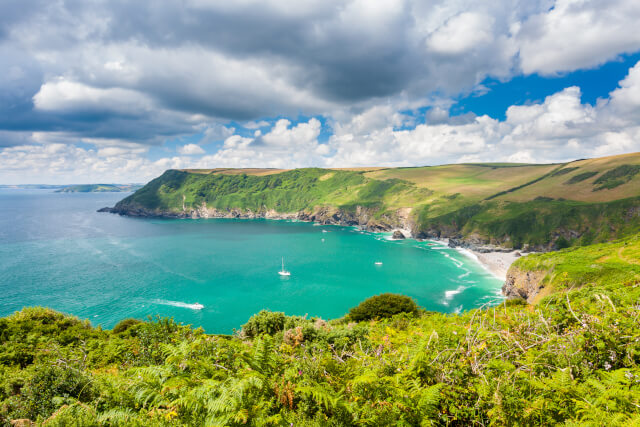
(450, 294)
(458, 263)
(465, 274)
(195, 306)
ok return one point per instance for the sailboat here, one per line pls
(284, 272)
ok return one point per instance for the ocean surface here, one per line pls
(57, 251)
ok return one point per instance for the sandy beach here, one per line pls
(497, 263)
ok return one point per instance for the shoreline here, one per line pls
(497, 263)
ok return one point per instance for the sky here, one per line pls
(119, 91)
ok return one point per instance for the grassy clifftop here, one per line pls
(607, 264)
(542, 206)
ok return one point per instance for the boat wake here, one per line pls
(195, 306)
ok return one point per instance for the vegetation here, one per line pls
(581, 177)
(383, 306)
(616, 177)
(541, 223)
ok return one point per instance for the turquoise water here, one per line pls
(56, 251)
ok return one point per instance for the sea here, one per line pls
(56, 251)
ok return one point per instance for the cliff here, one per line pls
(361, 216)
(523, 284)
(537, 275)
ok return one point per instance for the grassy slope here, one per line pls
(574, 358)
(606, 264)
(508, 204)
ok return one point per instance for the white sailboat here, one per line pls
(284, 272)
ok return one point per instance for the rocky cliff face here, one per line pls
(326, 215)
(523, 284)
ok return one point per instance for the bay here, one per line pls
(57, 251)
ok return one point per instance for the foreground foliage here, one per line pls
(574, 358)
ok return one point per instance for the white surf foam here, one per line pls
(465, 274)
(450, 294)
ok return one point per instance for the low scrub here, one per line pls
(383, 306)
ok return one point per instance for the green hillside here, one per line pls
(542, 207)
(98, 188)
(572, 359)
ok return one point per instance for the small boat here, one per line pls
(197, 306)
(378, 263)
(284, 272)
(324, 231)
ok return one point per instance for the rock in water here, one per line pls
(398, 235)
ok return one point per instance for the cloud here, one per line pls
(190, 149)
(577, 34)
(256, 124)
(67, 96)
(462, 33)
(114, 78)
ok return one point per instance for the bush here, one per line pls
(265, 322)
(562, 243)
(125, 324)
(383, 306)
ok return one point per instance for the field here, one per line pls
(558, 185)
(473, 181)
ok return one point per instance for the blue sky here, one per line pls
(102, 91)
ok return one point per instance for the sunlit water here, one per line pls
(57, 251)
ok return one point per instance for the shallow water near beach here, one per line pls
(57, 251)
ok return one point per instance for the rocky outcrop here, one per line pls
(398, 235)
(476, 245)
(325, 215)
(523, 284)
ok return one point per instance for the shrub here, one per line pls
(615, 177)
(265, 322)
(125, 324)
(581, 177)
(562, 243)
(383, 306)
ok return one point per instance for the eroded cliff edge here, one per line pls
(366, 218)
(523, 284)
